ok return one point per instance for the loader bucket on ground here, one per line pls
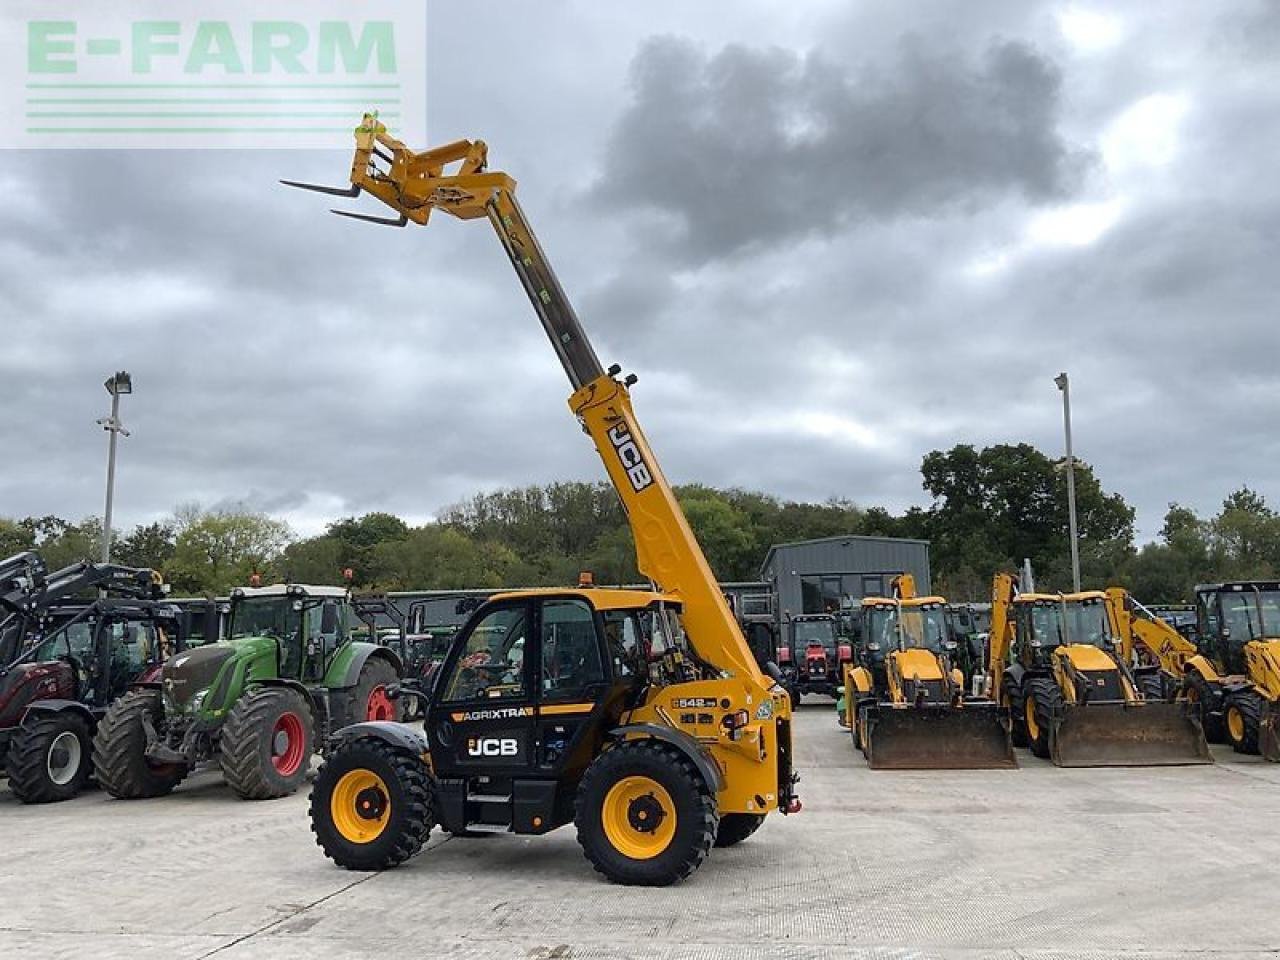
(938, 738)
(1116, 734)
(1269, 733)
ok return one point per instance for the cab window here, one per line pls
(622, 636)
(570, 651)
(492, 666)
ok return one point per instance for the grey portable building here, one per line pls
(835, 573)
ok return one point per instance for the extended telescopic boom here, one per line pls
(414, 184)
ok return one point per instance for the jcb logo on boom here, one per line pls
(492, 747)
(632, 461)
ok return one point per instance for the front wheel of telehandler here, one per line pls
(371, 806)
(644, 814)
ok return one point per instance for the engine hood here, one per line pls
(917, 664)
(1084, 656)
(191, 671)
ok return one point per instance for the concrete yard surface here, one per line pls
(1039, 862)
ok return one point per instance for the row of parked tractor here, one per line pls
(1091, 678)
(136, 689)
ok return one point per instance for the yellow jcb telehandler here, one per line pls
(904, 701)
(1055, 662)
(640, 716)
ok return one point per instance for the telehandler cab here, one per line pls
(905, 704)
(254, 701)
(1056, 663)
(639, 715)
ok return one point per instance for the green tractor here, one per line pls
(260, 702)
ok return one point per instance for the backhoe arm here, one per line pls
(1000, 639)
(1135, 624)
(416, 183)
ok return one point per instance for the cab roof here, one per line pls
(1058, 597)
(906, 602)
(600, 598)
(290, 590)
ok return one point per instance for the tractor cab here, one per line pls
(1232, 615)
(529, 689)
(307, 624)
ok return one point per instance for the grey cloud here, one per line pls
(750, 147)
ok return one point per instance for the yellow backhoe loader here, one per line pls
(1156, 652)
(1233, 679)
(639, 715)
(904, 701)
(1055, 662)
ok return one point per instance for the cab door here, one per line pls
(481, 721)
(578, 684)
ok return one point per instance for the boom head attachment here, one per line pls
(451, 178)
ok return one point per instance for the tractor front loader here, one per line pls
(259, 702)
(1056, 663)
(640, 716)
(905, 703)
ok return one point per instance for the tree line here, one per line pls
(989, 509)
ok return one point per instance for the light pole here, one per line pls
(1064, 384)
(118, 385)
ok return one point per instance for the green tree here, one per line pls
(443, 558)
(317, 560)
(219, 549)
(151, 546)
(14, 538)
(358, 539)
(993, 507)
(725, 535)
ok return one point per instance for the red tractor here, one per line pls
(813, 658)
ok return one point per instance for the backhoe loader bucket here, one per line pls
(1269, 733)
(1116, 734)
(933, 737)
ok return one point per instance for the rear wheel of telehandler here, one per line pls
(120, 750)
(266, 743)
(1042, 701)
(49, 758)
(1242, 716)
(371, 806)
(736, 827)
(644, 814)
(1201, 697)
(1013, 696)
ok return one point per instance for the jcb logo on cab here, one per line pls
(492, 747)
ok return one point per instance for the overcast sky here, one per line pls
(829, 237)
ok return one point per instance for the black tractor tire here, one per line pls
(366, 703)
(400, 791)
(736, 827)
(1018, 724)
(1151, 686)
(266, 743)
(1197, 689)
(49, 758)
(693, 807)
(119, 750)
(1045, 697)
(1242, 720)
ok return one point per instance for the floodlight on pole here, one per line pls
(118, 385)
(1064, 384)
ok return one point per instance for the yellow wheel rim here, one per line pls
(1235, 724)
(639, 818)
(360, 806)
(1033, 725)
